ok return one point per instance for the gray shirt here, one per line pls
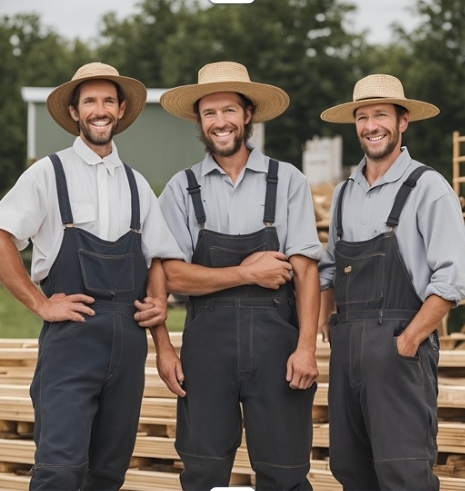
(237, 208)
(431, 231)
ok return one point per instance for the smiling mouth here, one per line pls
(375, 138)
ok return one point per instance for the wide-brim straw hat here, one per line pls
(226, 76)
(135, 94)
(379, 89)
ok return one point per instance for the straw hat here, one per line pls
(226, 76)
(134, 91)
(379, 89)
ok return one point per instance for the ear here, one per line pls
(403, 122)
(74, 114)
(122, 109)
(248, 114)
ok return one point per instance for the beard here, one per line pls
(381, 153)
(97, 137)
(212, 148)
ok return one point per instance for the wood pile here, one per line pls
(321, 196)
(155, 465)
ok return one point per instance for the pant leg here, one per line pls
(402, 411)
(278, 419)
(72, 362)
(116, 421)
(209, 422)
(351, 455)
(383, 410)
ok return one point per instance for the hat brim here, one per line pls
(135, 94)
(344, 113)
(269, 101)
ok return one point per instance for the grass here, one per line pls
(18, 322)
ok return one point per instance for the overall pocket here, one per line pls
(107, 273)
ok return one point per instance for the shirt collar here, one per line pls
(395, 172)
(256, 162)
(111, 162)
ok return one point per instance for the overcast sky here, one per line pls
(80, 18)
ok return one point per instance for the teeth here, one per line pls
(226, 133)
(375, 138)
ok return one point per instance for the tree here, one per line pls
(33, 56)
(430, 62)
(299, 45)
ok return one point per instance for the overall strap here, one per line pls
(135, 203)
(271, 189)
(193, 189)
(339, 208)
(62, 190)
(403, 193)
(63, 195)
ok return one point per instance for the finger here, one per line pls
(177, 389)
(80, 298)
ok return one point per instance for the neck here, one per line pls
(234, 164)
(375, 169)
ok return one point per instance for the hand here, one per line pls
(269, 269)
(151, 312)
(170, 371)
(60, 307)
(405, 348)
(325, 330)
(302, 370)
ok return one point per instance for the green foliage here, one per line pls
(30, 56)
(15, 320)
(307, 47)
(430, 63)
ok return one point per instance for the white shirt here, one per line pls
(100, 202)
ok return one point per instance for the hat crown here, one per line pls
(95, 69)
(224, 71)
(378, 87)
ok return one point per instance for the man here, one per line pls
(96, 226)
(244, 240)
(395, 265)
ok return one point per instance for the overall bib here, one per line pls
(89, 379)
(382, 406)
(236, 344)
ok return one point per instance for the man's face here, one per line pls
(223, 120)
(379, 130)
(98, 112)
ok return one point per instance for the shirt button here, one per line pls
(368, 195)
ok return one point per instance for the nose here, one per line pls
(371, 124)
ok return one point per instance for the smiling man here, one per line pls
(246, 224)
(394, 266)
(98, 235)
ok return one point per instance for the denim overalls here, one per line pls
(89, 380)
(236, 344)
(382, 406)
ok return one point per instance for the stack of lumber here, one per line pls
(155, 464)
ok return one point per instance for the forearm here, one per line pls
(327, 306)
(307, 289)
(156, 281)
(14, 276)
(427, 320)
(194, 279)
(268, 269)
